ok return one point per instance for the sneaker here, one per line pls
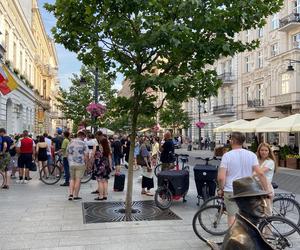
(24, 181)
(95, 192)
(77, 198)
(5, 187)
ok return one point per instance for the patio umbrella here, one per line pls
(228, 127)
(287, 124)
(251, 127)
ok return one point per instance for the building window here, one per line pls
(297, 6)
(259, 59)
(296, 41)
(230, 67)
(260, 91)
(247, 36)
(260, 32)
(247, 93)
(285, 83)
(44, 88)
(6, 44)
(15, 55)
(275, 22)
(274, 49)
(247, 64)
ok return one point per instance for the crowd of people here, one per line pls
(103, 155)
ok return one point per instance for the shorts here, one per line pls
(4, 162)
(77, 172)
(49, 160)
(231, 206)
(25, 161)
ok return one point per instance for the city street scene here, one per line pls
(136, 125)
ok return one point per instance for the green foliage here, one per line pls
(73, 101)
(284, 151)
(177, 39)
(174, 116)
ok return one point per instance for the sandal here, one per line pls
(99, 199)
(77, 198)
(70, 197)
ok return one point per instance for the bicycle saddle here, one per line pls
(274, 185)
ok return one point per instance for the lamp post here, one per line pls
(290, 66)
(199, 128)
(96, 92)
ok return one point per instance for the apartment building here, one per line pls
(257, 83)
(30, 57)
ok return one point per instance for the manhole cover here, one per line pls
(99, 212)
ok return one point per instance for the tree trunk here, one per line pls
(128, 205)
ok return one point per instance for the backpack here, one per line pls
(1, 143)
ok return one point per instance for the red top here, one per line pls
(26, 146)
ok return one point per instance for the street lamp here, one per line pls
(290, 66)
(96, 91)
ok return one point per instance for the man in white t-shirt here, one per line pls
(236, 164)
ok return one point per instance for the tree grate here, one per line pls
(100, 212)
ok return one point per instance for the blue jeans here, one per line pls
(66, 169)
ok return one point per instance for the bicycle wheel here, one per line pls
(157, 169)
(2, 179)
(50, 175)
(163, 198)
(276, 231)
(288, 208)
(210, 224)
(87, 176)
(215, 200)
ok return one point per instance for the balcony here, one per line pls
(224, 110)
(227, 78)
(257, 104)
(289, 22)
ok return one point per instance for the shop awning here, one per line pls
(229, 126)
(251, 126)
(287, 124)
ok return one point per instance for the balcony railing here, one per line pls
(289, 22)
(227, 78)
(224, 110)
(255, 103)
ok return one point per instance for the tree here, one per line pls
(159, 45)
(174, 116)
(73, 101)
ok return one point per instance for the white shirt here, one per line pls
(238, 163)
(271, 166)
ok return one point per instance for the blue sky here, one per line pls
(68, 62)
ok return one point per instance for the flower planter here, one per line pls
(282, 163)
(291, 163)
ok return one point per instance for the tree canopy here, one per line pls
(73, 101)
(164, 45)
(173, 115)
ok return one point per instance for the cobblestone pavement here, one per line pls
(37, 216)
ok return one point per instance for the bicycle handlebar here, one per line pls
(207, 158)
(184, 155)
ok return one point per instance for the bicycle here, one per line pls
(184, 158)
(277, 230)
(205, 178)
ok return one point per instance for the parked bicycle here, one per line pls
(211, 220)
(206, 177)
(179, 158)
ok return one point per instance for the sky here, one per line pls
(68, 63)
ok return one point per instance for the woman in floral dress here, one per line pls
(103, 165)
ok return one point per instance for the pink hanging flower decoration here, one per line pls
(96, 109)
(200, 124)
(156, 128)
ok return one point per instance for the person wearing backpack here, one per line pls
(5, 142)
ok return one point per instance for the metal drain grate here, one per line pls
(99, 212)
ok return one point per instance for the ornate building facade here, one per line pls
(30, 56)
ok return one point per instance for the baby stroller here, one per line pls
(172, 185)
(205, 179)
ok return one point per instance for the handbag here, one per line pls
(33, 166)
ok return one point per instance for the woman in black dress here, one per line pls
(41, 151)
(103, 165)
